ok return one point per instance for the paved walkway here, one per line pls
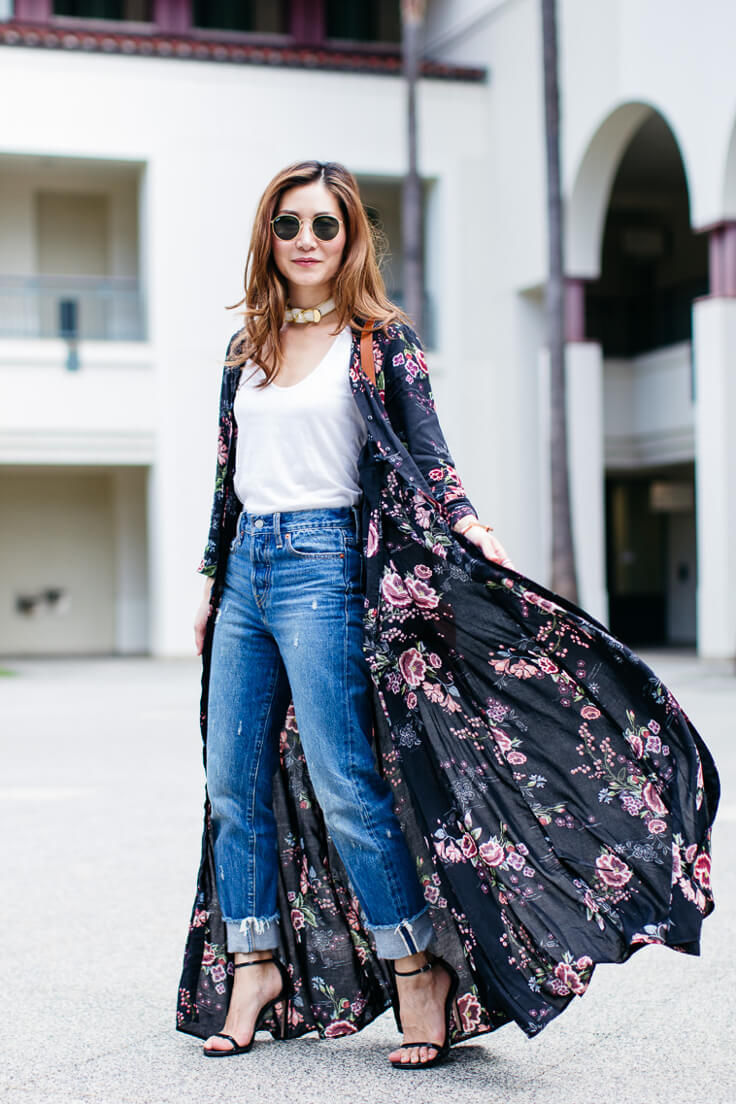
(101, 797)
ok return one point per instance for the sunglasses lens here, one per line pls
(325, 227)
(286, 227)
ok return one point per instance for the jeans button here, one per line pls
(259, 523)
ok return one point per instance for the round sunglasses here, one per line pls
(324, 227)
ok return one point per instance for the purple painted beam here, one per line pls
(307, 21)
(33, 11)
(574, 309)
(721, 259)
(173, 16)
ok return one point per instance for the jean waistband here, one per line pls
(336, 516)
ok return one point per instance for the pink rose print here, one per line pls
(469, 846)
(453, 853)
(297, 919)
(676, 864)
(583, 963)
(491, 852)
(222, 448)
(434, 692)
(434, 660)
(439, 550)
(412, 667)
(411, 700)
(558, 987)
(502, 739)
(569, 977)
(339, 1027)
(636, 745)
(691, 852)
(657, 826)
(435, 474)
(589, 712)
(424, 596)
(422, 571)
(469, 1010)
(612, 870)
(522, 670)
(208, 957)
(687, 888)
(653, 799)
(701, 870)
(516, 758)
(371, 546)
(394, 591)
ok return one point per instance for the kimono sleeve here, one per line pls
(411, 410)
(208, 563)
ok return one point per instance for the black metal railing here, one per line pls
(76, 308)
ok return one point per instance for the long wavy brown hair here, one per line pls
(358, 288)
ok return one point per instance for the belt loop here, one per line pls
(277, 528)
(356, 519)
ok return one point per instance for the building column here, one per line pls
(714, 353)
(131, 561)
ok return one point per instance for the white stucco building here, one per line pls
(132, 154)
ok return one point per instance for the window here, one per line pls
(358, 21)
(135, 11)
(260, 16)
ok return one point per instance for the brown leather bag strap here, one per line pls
(366, 351)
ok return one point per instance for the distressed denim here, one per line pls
(290, 625)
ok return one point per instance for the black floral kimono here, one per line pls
(557, 799)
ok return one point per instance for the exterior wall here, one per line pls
(209, 136)
(51, 520)
(79, 530)
(611, 80)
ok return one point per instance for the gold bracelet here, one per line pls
(462, 532)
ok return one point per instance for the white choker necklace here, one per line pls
(309, 314)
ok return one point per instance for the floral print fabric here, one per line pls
(556, 797)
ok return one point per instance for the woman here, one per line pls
(541, 801)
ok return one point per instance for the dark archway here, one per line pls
(640, 311)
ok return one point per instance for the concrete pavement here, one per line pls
(100, 800)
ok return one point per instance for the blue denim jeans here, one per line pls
(290, 625)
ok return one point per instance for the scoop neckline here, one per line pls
(316, 368)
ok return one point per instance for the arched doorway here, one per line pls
(641, 276)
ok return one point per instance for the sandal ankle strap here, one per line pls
(410, 973)
(253, 962)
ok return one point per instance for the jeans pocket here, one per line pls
(316, 544)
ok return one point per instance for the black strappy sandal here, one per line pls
(444, 1049)
(281, 997)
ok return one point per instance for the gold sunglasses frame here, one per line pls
(301, 221)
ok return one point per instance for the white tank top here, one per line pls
(298, 446)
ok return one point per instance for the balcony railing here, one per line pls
(85, 308)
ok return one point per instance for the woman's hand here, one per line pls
(489, 545)
(202, 616)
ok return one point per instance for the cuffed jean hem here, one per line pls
(252, 934)
(405, 938)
